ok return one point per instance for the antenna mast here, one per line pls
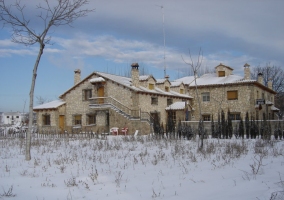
(162, 7)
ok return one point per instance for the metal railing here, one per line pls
(132, 113)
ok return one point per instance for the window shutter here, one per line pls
(221, 73)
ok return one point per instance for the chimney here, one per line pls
(247, 71)
(77, 76)
(269, 83)
(260, 78)
(135, 74)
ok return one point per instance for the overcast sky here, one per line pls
(120, 32)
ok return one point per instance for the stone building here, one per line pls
(102, 101)
(225, 91)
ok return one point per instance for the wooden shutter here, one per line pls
(232, 95)
(221, 73)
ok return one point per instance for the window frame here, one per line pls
(205, 96)
(154, 100)
(169, 101)
(91, 117)
(206, 117)
(87, 94)
(233, 98)
(235, 116)
(181, 91)
(46, 119)
(221, 73)
(151, 86)
(77, 121)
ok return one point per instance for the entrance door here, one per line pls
(101, 93)
(61, 123)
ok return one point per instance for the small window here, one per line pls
(206, 117)
(167, 89)
(169, 102)
(77, 119)
(205, 96)
(17, 117)
(8, 117)
(91, 119)
(154, 100)
(87, 94)
(151, 86)
(235, 116)
(46, 120)
(173, 115)
(181, 91)
(221, 73)
(232, 95)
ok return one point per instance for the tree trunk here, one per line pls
(201, 128)
(31, 117)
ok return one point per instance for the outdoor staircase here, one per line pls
(129, 114)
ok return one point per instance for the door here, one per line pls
(61, 123)
(101, 93)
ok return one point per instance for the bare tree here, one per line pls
(195, 68)
(276, 74)
(63, 12)
(41, 100)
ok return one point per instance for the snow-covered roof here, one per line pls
(144, 77)
(176, 83)
(268, 102)
(125, 81)
(176, 106)
(273, 108)
(213, 79)
(97, 80)
(159, 81)
(50, 105)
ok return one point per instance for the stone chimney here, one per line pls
(135, 74)
(247, 72)
(269, 83)
(260, 78)
(77, 76)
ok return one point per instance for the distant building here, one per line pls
(12, 118)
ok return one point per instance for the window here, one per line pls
(91, 118)
(206, 117)
(172, 115)
(235, 116)
(169, 102)
(8, 117)
(167, 89)
(221, 73)
(181, 91)
(46, 120)
(151, 86)
(77, 119)
(87, 94)
(154, 100)
(232, 95)
(17, 117)
(205, 96)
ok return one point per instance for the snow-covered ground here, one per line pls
(142, 167)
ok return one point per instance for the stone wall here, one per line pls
(247, 95)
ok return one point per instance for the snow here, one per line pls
(213, 79)
(50, 105)
(97, 80)
(141, 167)
(176, 106)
